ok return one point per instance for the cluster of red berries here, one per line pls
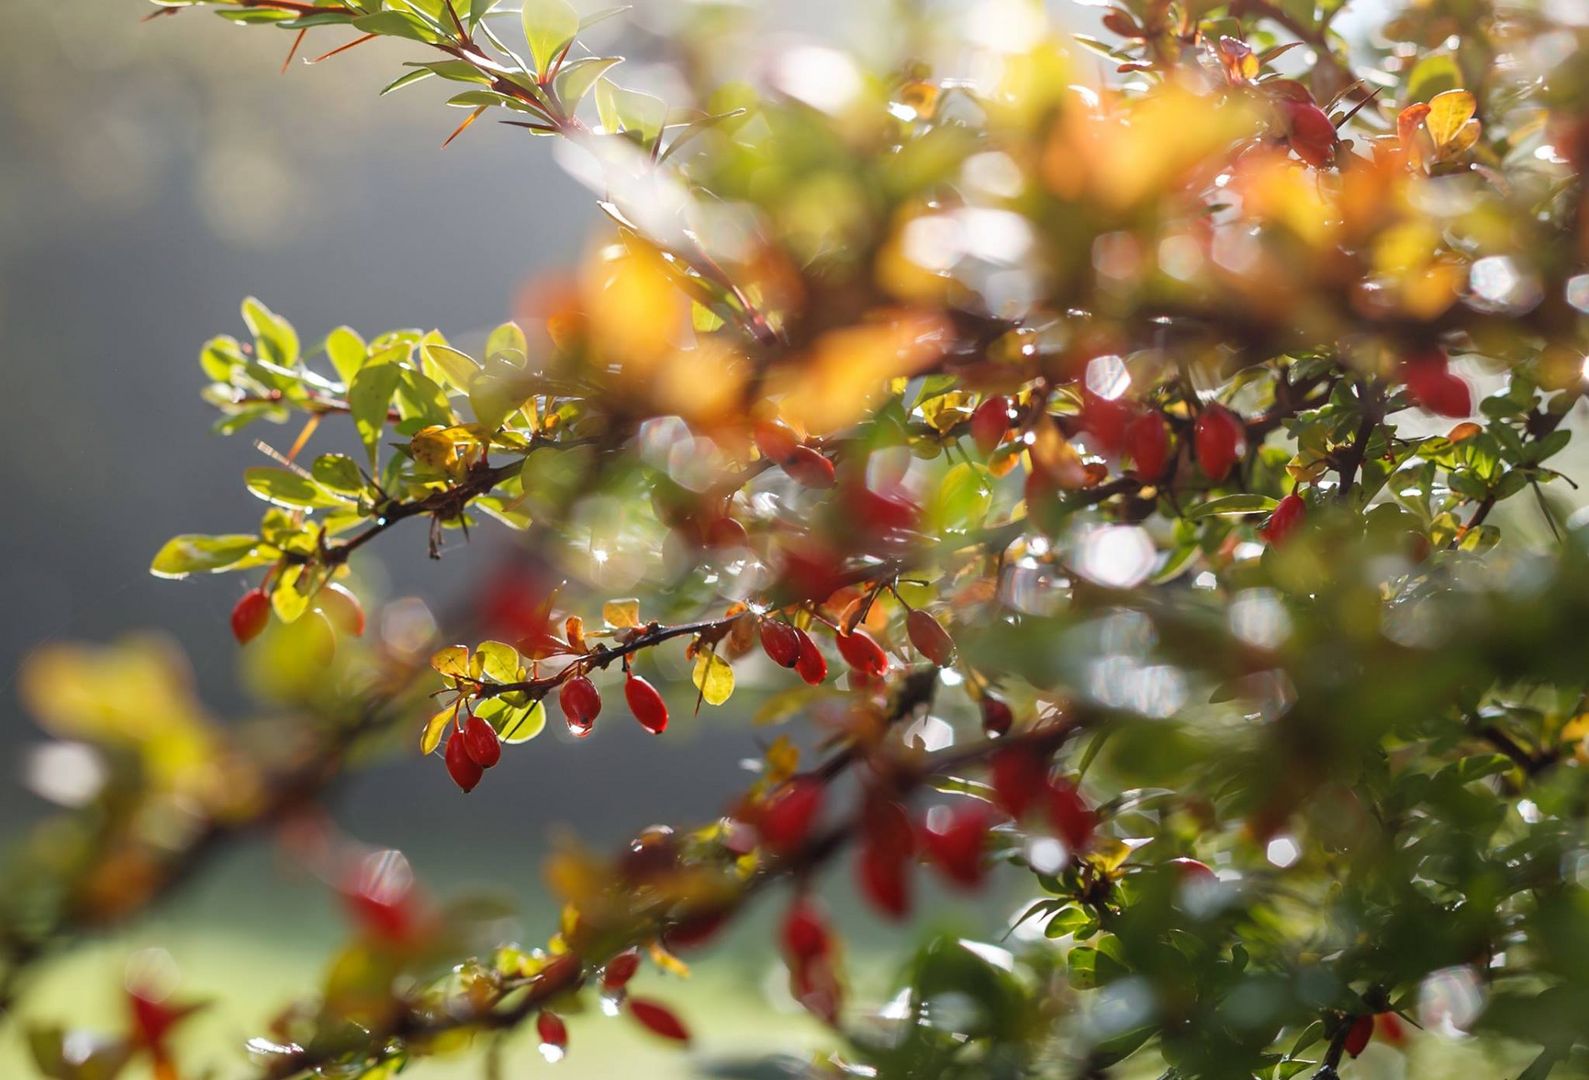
(471, 751)
(780, 445)
(953, 839)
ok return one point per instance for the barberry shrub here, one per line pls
(1098, 467)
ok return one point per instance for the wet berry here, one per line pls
(1148, 443)
(620, 969)
(1286, 518)
(463, 769)
(581, 704)
(930, 638)
(954, 839)
(809, 468)
(659, 1019)
(811, 665)
(480, 742)
(862, 652)
(250, 616)
(551, 1030)
(997, 718)
(786, 818)
(646, 704)
(781, 642)
(1217, 440)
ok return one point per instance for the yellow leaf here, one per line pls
(496, 661)
(668, 962)
(435, 727)
(714, 678)
(621, 614)
(1448, 112)
(452, 660)
(783, 758)
(286, 598)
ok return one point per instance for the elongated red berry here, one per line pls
(786, 818)
(659, 1019)
(809, 468)
(463, 769)
(862, 652)
(888, 846)
(1217, 439)
(781, 642)
(553, 1034)
(990, 423)
(646, 704)
(480, 742)
(811, 665)
(1311, 134)
(1019, 778)
(804, 934)
(726, 533)
(342, 608)
(1105, 420)
(1433, 386)
(954, 838)
(775, 439)
(620, 969)
(997, 718)
(1148, 443)
(250, 616)
(1286, 518)
(581, 703)
(930, 638)
(1358, 1034)
(1388, 1026)
(1072, 819)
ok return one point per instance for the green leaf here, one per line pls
(630, 110)
(508, 341)
(283, 487)
(447, 365)
(548, 26)
(1247, 503)
(418, 396)
(337, 472)
(496, 661)
(520, 724)
(369, 398)
(194, 553)
(274, 337)
(395, 24)
(1433, 75)
(347, 352)
(574, 79)
(221, 357)
(290, 598)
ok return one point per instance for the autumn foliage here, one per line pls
(1123, 458)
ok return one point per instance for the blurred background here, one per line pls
(154, 174)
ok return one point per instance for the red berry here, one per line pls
(480, 742)
(581, 704)
(990, 423)
(1286, 519)
(954, 841)
(1217, 438)
(726, 532)
(1148, 443)
(781, 642)
(1388, 1026)
(1105, 420)
(1433, 387)
(879, 513)
(997, 718)
(775, 439)
(1310, 133)
(250, 615)
(1019, 777)
(1192, 870)
(805, 932)
(551, 1029)
(1070, 815)
(812, 665)
(693, 930)
(888, 844)
(463, 769)
(646, 704)
(809, 468)
(1357, 1036)
(930, 638)
(786, 818)
(658, 1019)
(652, 853)
(862, 652)
(620, 969)
(342, 608)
